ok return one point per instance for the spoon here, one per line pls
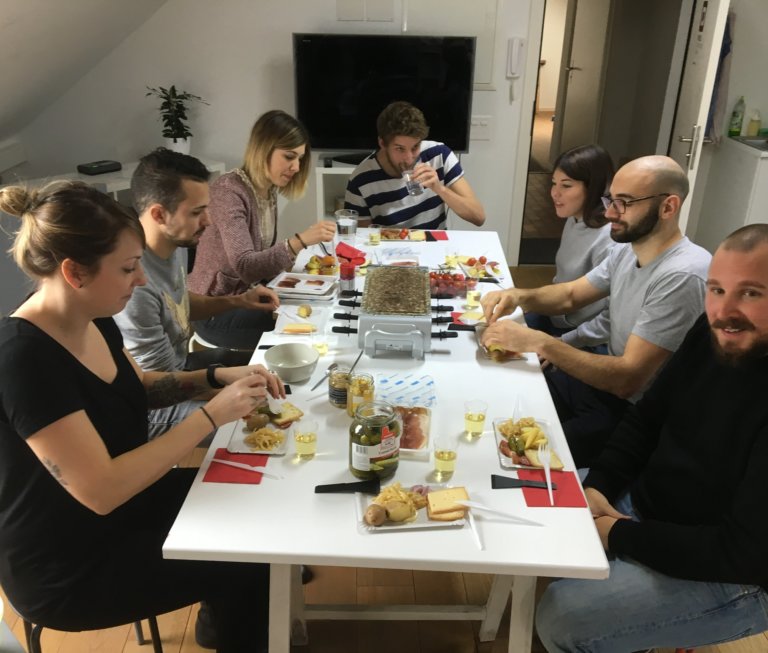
(330, 369)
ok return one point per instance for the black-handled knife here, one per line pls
(371, 486)
(344, 316)
(499, 482)
(456, 326)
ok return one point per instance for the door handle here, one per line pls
(570, 68)
(705, 141)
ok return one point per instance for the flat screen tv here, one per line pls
(343, 81)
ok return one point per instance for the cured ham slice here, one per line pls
(415, 426)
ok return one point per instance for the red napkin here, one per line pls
(225, 474)
(567, 495)
(351, 253)
(439, 235)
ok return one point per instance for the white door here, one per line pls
(580, 89)
(696, 90)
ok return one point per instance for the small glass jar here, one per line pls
(360, 390)
(374, 441)
(347, 273)
(338, 383)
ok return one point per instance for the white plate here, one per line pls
(288, 315)
(507, 463)
(237, 441)
(294, 283)
(362, 501)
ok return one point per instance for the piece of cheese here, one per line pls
(297, 327)
(442, 506)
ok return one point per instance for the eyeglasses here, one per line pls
(620, 205)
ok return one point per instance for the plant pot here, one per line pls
(180, 145)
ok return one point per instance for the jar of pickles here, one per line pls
(360, 390)
(338, 383)
(374, 440)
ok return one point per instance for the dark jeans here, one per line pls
(131, 580)
(588, 415)
(237, 329)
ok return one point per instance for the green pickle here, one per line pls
(374, 440)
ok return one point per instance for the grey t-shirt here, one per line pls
(581, 250)
(658, 302)
(155, 322)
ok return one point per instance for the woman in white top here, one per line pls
(581, 176)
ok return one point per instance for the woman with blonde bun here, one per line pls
(240, 247)
(85, 501)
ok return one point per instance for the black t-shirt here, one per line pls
(47, 538)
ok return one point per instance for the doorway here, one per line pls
(618, 77)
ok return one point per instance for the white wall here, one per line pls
(551, 52)
(237, 55)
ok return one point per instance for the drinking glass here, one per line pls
(346, 224)
(374, 235)
(474, 417)
(445, 455)
(305, 438)
(412, 186)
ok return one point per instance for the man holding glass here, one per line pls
(655, 282)
(410, 182)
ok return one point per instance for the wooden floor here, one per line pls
(352, 585)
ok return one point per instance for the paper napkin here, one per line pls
(348, 252)
(436, 235)
(567, 495)
(225, 474)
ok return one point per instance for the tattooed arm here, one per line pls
(169, 388)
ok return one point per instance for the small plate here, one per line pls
(506, 463)
(237, 441)
(362, 501)
(288, 315)
(292, 283)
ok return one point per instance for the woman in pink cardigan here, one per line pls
(240, 248)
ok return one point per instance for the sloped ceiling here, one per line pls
(47, 45)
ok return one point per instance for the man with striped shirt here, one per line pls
(377, 191)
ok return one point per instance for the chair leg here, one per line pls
(139, 633)
(27, 633)
(154, 631)
(34, 639)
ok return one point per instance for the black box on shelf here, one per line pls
(99, 167)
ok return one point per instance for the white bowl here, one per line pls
(292, 361)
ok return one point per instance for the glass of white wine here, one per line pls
(474, 417)
(445, 457)
(305, 438)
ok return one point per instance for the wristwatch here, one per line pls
(210, 376)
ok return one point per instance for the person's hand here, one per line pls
(498, 303)
(238, 398)
(427, 176)
(320, 232)
(513, 337)
(272, 383)
(260, 298)
(599, 506)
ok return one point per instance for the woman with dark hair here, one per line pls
(581, 177)
(85, 501)
(240, 247)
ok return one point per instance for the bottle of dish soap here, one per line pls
(753, 126)
(737, 118)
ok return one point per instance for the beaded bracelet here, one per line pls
(303, 244)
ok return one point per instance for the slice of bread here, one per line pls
(442, 506)
(533, 456)
(288, 415)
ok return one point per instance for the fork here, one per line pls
(545, 458)
(322, 246)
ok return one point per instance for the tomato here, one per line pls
(403, 234)
(482, 260)
(458, 277)
(471, 261)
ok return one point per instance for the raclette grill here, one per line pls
(395, 311)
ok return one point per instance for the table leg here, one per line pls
(521, 614)
(298, 613)
(279, 608)
(494, 608)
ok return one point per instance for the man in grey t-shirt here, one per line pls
(655, 282)
(170, 191)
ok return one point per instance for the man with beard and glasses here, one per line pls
(655, 282)
(678, 493)
(376, 189)
(170, 192)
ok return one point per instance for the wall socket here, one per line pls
(480, 128)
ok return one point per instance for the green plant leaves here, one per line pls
(173, 110)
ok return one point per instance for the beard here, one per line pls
(644, 226)
(192, 242)
(732, 357)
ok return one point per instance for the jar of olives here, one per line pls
(338, 382)
(374, 440)
(360, 390)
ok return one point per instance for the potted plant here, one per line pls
(173, 112)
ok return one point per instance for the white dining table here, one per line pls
(284, 523)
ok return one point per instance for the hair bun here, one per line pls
(17, 200)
